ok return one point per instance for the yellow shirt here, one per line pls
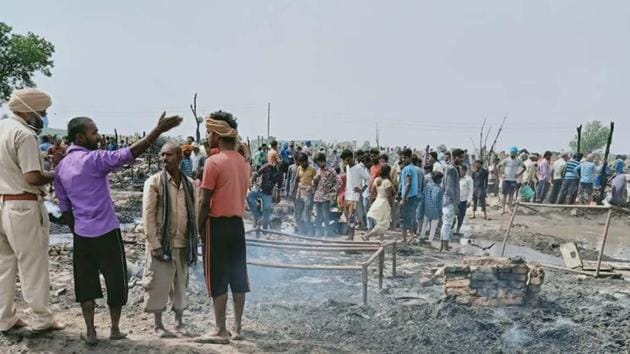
(305, 176)
(152, 210)
(19, 154)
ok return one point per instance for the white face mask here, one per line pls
(43, 120)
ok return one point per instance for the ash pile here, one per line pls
(493, 282)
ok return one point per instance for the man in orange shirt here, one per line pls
(224, 189)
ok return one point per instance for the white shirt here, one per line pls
(356, 177)
(558, 168)
(466, 189)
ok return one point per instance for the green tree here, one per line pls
(21, 56)
(594, 137)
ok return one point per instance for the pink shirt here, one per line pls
(543, 171)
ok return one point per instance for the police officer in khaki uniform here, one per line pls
(23, 217)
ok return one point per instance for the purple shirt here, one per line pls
(82, 187)
(544, 171)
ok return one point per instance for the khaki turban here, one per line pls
(29, 100)
(221, 127)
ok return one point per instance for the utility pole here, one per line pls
(378, 145)
(268, 120)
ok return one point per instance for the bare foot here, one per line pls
(54, 326)
(181, 331)
(236, 333)
(90, 338)
(162, 332)
(116, 334)
(221, 337)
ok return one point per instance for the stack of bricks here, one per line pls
(493, 281)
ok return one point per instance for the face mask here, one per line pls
(44, 119)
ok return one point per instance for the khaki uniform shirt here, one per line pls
(152, 210)
(19, 154)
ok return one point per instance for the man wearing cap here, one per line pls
(23, 217)
(512, 168)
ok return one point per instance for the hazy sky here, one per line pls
(427, 71)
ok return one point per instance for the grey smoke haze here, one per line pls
(427, 71)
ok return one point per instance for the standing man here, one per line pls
(465, 195)
(543, 173)
(480, 188)
(408, 195)
(197, 157)
(168, 214)
(356, 176)
(558, 168)
(570, 181)
(512, 169)
(267, 191)
(82, 187)
(23, 217)
(529, 178)
(586, 172)
(325, 184)
(273, 156)
(417, 164)
(304, 195)
(451, 197)
(186, 163)
(224, 189)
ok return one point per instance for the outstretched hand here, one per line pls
(167, 123)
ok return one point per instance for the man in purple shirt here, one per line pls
(82, 187)
(543, 174)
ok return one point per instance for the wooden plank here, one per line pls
(312, 249)
(509, 229)
(604, 238)
(373, 256)
(308, 244)
(571, 255)
(302, 266)
(565, 206)
(322, 240)
(364, 280)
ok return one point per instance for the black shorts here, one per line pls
(104, 254)
(225, 263)
(509, 187)
(479, 199)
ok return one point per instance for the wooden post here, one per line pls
(601, 250)
(381, 265)
(394, 250)
(364, 279)
(507, 233)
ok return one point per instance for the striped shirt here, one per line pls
(570, 170)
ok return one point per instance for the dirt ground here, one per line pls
(294, 311)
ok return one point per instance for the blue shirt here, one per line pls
(433, 196)
(570, 171)
(618, 166)
(586, 171)
(44, 147)
(409, 171)
(186, 166)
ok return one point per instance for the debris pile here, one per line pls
(493, 281)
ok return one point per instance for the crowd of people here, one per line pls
(199, 200)
(419, 191)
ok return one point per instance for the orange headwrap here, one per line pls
(221, 127)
